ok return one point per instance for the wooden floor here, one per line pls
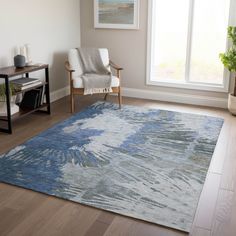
(24, 212)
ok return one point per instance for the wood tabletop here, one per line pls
(11, 71)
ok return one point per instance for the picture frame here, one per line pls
(116, 14)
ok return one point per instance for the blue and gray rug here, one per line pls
(143, 163)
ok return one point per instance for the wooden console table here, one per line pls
(8, 72)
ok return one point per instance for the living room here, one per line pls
(150, 150)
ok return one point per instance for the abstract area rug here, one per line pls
(144, 163)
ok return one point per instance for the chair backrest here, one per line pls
(75, 61)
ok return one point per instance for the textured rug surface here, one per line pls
(144, 163)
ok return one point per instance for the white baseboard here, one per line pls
(175, 97)
(157, 95)
(58, 94)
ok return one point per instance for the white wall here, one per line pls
(51, 27)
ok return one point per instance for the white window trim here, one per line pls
(224, 88)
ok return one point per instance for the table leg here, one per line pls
(47, 90)
(8, 102)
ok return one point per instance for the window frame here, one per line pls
(187, 84)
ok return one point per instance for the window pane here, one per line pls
(209, 39)
(169, 39)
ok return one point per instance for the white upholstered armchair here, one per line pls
(75, 70)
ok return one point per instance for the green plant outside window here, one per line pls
(229, 57)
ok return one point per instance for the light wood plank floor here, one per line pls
(24, 212)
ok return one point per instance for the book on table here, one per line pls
(25, 83)
(41, 92)
(32, 99)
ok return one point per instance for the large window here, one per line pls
(185, 39)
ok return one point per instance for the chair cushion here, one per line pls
(76, 64)
(78, 82)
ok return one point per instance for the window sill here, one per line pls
(192, 86)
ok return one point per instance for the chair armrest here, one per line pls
(67, 66)
(113, 65)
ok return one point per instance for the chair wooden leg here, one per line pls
(105, 98)
(72, 103)
(120, 99)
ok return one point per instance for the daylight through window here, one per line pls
(186, 37)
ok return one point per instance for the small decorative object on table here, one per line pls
(23, 56)
(19, 61)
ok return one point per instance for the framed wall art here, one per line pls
(116, 14)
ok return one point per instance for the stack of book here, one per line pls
(25, 83)
(33, 91)
(33, 98)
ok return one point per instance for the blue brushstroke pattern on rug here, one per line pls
(144, 163)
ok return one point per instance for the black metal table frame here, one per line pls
(8, 98)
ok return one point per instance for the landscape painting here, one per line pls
(121, 14)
